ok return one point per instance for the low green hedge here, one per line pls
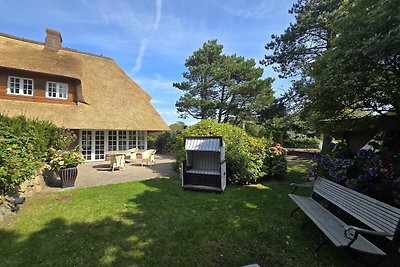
(303, 142)
(24, 147)
(244, 154)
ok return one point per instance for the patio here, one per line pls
(99, 173)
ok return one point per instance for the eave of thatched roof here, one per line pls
(110, 99)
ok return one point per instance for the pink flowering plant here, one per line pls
(275, 163)
(62, 159)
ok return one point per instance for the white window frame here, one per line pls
(61, 90)
(116, 140)
(21, 84)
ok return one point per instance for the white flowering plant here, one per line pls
(62, 159)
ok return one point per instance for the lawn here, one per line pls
(156, 223)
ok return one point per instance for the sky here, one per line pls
(151, 39)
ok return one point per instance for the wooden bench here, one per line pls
(381, 218)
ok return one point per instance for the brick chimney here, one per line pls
(53, 40)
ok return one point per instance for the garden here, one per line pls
(156, 223)
(343, 102)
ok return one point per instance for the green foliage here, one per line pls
(344, 56)
(165, 142)
(359, 74)
(275, 163)
(151, 140)
(23, 147)
(244, 153)
(292, 131)
(303, 142)
(292, 53)
(227, 88)
(305, 39)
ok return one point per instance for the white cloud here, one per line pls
(158, 14)
(257, 10)
(138, 62)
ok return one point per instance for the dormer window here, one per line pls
(20, 86)
(56, 90)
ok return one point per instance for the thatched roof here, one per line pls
(108, 99)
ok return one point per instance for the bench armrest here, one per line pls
(349, 231)
(304, 185)
(352, 232)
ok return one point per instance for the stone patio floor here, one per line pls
(99, 173)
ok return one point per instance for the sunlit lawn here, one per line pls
(156, 223)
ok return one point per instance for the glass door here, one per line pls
(86, 144)
(99, 145)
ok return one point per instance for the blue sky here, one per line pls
(150, 39)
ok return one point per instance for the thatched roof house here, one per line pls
(75, 90)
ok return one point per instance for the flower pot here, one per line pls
(68, 176)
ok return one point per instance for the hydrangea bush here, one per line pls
(358, 171)
(275, 163)
(65, 159)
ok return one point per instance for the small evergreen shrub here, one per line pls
(244, 153)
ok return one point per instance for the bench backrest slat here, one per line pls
(374, 213)
(205, 160)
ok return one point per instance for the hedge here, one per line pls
(24, 147)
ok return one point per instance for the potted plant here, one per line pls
(65, 162)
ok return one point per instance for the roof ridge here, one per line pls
(62, 48)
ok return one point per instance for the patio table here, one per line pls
(117, 159)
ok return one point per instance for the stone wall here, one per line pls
(9, 203)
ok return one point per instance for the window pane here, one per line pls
(122, 140)
(141, 139)
(132, 139)
(16, 86)
(112, 140)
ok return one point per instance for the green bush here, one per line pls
(24, 146)
(165, 142)
(302, 142)
(244, 153)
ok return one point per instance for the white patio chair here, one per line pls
(148, 156)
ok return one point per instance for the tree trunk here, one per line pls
(326, 143)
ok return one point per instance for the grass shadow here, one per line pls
(156, 223)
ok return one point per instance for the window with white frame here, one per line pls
(131, 139)
(141, 140)
(56, 90)
(20, 86)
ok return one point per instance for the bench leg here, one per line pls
(296, 209)
(320, 245)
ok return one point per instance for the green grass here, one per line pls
(156, 223)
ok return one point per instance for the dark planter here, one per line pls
(68, 176)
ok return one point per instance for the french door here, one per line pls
(94, 144)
